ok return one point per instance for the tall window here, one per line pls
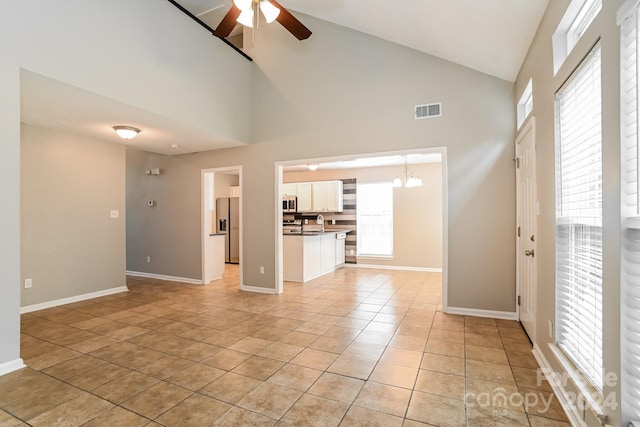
(630, 259)
(375, 219)
(579, 219)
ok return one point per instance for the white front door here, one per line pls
(527, 221)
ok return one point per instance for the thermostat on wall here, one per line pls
(151, 203)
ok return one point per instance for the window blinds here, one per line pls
(579, 219)
(630, 263)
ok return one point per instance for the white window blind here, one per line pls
(375, 219)
(579, 219)
(630, 263)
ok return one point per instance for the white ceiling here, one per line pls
(59, 106)
(491, 36)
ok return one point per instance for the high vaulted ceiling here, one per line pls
(491, 36)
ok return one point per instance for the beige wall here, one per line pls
(342, 92)
(164, 65)
(417, 212)
(69, 244)
(539, 66)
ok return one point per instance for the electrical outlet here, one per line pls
(351, 252)
(148, 259)
(115, 214)
(261, 269)
(28, 283)
(333, 222)
(550, 328)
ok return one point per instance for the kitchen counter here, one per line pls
(310, 254)
(313, 233)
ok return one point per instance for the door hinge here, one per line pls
(519, 300)
(518, 231)
(517, 160)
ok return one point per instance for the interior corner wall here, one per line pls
(169, 231)
(70, 245)
(10, 215)
(538, 66)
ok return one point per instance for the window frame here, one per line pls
(577, 280)
(361, 223)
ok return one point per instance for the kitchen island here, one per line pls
(311, 254)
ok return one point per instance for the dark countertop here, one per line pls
(218, 234)
(316, 233)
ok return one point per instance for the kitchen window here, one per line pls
(375, 219)
(579, 219)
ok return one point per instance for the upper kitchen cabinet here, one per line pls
(318, 196)
(304, 194)
(326, 196)
(289, 189)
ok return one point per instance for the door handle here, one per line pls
(531, 253)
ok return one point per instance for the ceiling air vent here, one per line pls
(428, 111)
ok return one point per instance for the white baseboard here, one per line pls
(163, 277)
(10, 366)
(258, 290)
(394, 267)
(69, 300)
(558, 389)
(506, 315)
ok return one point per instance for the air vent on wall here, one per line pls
(427, 111)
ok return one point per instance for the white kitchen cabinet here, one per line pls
(340, 249)
(318, 196)
(303, 191)
(306, 257)
(327, 252)
(289, 189)
(327, 196)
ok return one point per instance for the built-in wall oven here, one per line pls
(289, 204)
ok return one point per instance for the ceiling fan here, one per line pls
(246, 12)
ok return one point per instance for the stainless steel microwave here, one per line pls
(289, 204)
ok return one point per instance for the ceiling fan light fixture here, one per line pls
(397, 182)
(269, 11)
(243, 4)
(126, 132)
(246, 18)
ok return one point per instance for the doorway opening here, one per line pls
(376, 167)
(221, 208)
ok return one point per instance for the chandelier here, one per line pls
(407, 179)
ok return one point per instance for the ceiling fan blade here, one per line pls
(288, 21)
(228, 23)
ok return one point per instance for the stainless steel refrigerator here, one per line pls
(228, 222)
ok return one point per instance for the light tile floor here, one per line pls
(356, 347)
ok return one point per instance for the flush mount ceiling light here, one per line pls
(312, 166)
(126, 132)
(407, 180)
